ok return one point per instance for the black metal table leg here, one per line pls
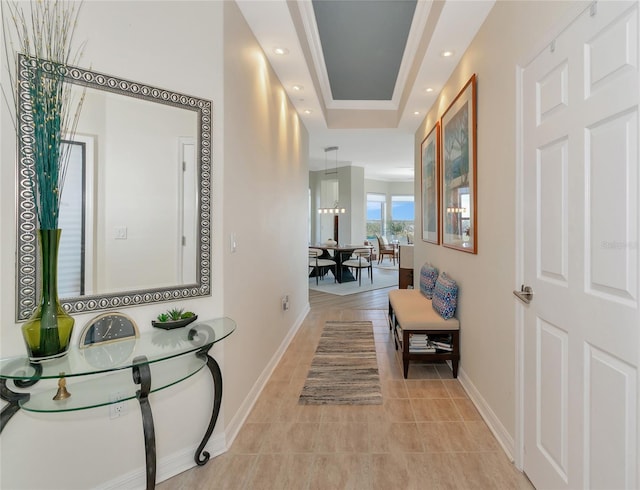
(216, 374)
(142, 376)
(14, 403)
(14, 398)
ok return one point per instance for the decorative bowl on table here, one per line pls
(171, 324)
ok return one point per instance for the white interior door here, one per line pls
(580, 181)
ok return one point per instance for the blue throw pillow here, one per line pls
(445, 296)
(428, 277)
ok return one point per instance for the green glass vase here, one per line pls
(47, 332)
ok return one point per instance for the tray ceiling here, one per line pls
(357, 71)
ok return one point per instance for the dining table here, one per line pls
(339, 253)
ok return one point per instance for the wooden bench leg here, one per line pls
(455, 337)
(405, 353)
(393, 324)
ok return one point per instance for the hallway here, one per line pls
(426, 435)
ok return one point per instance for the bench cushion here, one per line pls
(414, 312)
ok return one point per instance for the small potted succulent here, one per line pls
(174, 318)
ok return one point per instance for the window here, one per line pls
(402, 217)
(75, 256)
(71, 259)
(375, 214)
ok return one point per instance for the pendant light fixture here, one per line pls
(336, 209)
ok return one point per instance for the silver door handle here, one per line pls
(525, 294)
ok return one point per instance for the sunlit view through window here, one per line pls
(393, 219)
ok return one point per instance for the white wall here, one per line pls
(486, 306)
(155, 224)
(259, 180)
(266, 181)
(111, 120)
(350, 184)
(357, 216)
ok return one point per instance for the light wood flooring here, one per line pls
(426, 435)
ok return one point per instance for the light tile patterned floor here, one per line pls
(426, 435)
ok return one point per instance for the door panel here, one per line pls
(613, 211)
(553, 214)
(552, 363)
(611, 56)
(610, 420)
(552, 93)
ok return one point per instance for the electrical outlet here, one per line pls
(117, 407)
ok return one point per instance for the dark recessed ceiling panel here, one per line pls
(363, 42)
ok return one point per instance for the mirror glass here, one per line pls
(135, 204)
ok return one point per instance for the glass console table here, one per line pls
(108, 373)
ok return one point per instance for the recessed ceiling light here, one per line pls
(298, 88)
(416, 113)
(308, 111)
(429, 89)
(281, 51)
(446, 54)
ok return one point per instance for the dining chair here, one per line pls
(317, 262)
(360, 259)
(385, 248)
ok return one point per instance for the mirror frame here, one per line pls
(27, 252)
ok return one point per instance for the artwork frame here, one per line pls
(430, 177)
(458, 201)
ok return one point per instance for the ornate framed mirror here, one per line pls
(137, 216)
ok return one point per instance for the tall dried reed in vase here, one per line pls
(44, 35)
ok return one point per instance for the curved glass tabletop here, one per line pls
(98, 390)
(150, 347)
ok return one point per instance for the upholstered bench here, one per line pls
(411, 312)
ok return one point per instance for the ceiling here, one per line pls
(357, 71)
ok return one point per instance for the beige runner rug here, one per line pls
(344, 370)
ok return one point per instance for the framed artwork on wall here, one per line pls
(430, 166)
(458, 195)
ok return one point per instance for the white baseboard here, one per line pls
(495, 426)
(184, 460)
(234, 426)
(166, 467)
